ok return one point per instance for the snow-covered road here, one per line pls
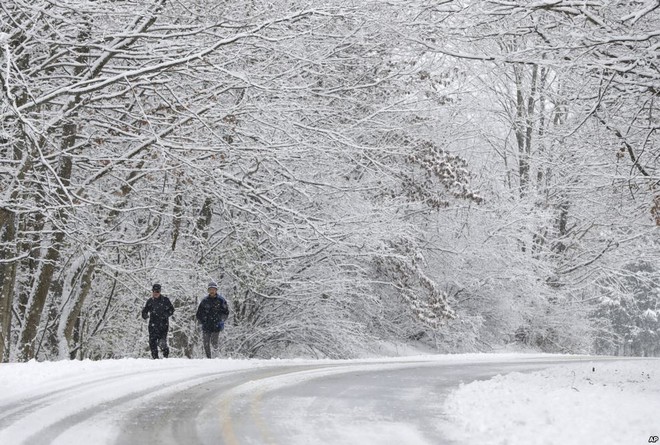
(379, 403)
(176, 401)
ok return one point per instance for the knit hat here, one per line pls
(213, 285)
(155, 287)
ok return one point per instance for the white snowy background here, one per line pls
(470, 175)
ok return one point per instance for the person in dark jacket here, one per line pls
(212, 313)
(158, 310)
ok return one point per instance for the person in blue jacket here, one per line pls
(158, 310)
(212, 313)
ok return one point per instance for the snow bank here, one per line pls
(583, 403)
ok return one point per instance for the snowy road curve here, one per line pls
(176, 401)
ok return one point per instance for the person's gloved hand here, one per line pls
(221, 325)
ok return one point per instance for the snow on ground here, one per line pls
(585, 402)
(615, 403)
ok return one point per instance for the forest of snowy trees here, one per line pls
(465, 174)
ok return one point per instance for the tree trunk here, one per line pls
(34, 311)
(524, 125)
(7, 280)
(10, 228)
(178, 213)
(72, 317)
(204, 220)
(26, 344)
(519, 126)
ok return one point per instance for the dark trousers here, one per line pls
(158, 340)
(210, 338)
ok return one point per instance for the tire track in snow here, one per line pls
(44, 418)
(11, 409)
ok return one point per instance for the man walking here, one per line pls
(158, 310)
(212, 313)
